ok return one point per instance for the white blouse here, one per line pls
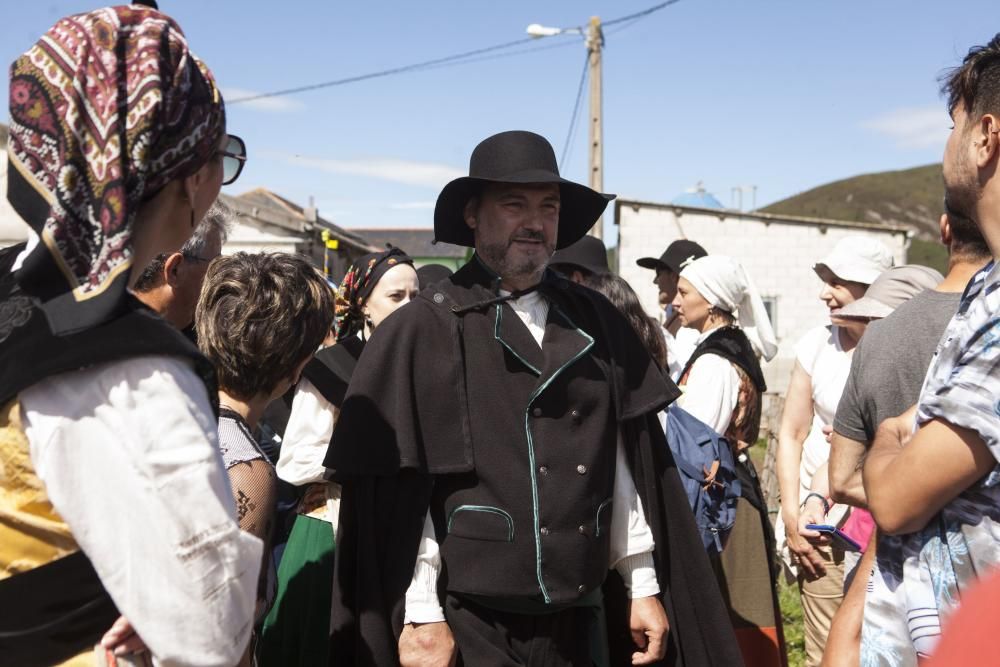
(129, 455)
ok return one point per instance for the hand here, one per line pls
(649, 626)
(808, 560)
(812, 512)
(122, 639)
(828, 433)
(427, 645)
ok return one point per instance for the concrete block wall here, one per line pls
(777, 253)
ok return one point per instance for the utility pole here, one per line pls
(595, 40)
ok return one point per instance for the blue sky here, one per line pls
(783, 94)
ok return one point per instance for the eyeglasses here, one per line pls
(234, 156)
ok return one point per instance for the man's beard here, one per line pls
(961, 195)
(497, 257)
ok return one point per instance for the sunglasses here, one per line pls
(234, 156)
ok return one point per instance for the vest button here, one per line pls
(581, 589)
(544, 470)
(536, 412)
(438, 297)
(583, 530)
(543, 530)
(582, 469)
(575, 414)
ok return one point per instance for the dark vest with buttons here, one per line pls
(532, 519)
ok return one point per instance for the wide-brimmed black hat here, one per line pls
(588, 254)
(677, 255)
(516, 157)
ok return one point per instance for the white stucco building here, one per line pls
(777, 251)
(12, 228)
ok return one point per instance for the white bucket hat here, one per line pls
(858, 259)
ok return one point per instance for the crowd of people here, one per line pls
(212, 459)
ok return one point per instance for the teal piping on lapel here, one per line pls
(597, 522)
(488, 509)
(531, 448)
(496, 335)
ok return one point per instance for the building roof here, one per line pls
(680, 209)
(273, 209)
(697, 196)
(415, 241)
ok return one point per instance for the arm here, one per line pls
(902, 497)
(307, 436)
(796, 421)
(176, 564)
(426, 638)
(256, 494)
(844, 479)
(631, 553)
(843, 644)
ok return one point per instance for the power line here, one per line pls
(576, 113)
(381, 73)
(457, 59)
(644, 13)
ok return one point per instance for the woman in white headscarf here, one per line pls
(723, 386)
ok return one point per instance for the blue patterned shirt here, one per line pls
(919, 578)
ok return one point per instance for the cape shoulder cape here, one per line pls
(405, 421)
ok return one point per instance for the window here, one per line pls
(771, 306)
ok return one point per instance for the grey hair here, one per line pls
(219, 219)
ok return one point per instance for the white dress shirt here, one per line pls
(712, 389)
(129, 455)
(632, 544)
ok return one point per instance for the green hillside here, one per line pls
(911, 197)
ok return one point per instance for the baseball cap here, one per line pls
(588, 253)
(894, 287)
(677, 255)
(858, 259)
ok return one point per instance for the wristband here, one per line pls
(826, 503)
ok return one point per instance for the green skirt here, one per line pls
(297, 629)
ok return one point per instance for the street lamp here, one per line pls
(594, 40)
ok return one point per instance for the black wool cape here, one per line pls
(405, 422)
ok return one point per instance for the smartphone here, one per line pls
(839, 537)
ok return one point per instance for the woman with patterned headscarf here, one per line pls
(296, 632)
(113, 501)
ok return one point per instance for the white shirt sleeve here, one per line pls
(632, 543)
(307, 436)
(422, 603)
(712, 391)
(129, 455)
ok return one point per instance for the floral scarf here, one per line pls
(362, 276)
(105, 109)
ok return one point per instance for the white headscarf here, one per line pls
(724, 284)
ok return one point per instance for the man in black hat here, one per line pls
(680, 343)
(582, 259)
(508, 495)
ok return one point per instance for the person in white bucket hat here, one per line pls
(822, 364)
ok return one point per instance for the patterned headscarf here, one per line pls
(105, 110)
(362, 276)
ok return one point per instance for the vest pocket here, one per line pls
(481, 522)
(603, 521)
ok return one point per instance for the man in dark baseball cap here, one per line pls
(584, 258)
(668, 267)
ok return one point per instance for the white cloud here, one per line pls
(427, 174)
(412, 205)
(913, 127)
(272, 104)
